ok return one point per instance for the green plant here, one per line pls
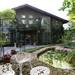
(8, 14)
(2, 39)
(70, 57)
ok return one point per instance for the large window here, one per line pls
(30, 18)
(23, 19)
(56, 23)
(30, 21)
(23, 16)
(45, 23)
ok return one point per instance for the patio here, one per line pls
(7, 50)
(36, 62)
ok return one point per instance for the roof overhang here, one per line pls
(40, 11)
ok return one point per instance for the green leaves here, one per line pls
(8, 14)
(2, 39)
(69, 5)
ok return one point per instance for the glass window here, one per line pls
(37, 20)
(23, 16)
(30, 16)
(42, 21)
(30, 21)
(57, 23)
(23, 21)
(27, 26)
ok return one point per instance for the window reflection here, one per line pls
(30, 16)
(30, 21)
(23, 21)
(27, 26)
(23, 16)
(37, 20)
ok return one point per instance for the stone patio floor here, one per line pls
(36, 62)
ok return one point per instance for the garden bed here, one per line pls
(36, 62)
(59, 59)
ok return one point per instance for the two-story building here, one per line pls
(35, 26)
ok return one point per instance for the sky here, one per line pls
(50, 6)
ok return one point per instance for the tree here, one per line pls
(8, 16)
(69, 5)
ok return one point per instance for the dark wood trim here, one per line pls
(40, 11)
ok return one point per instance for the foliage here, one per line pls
(58, 55)
(69, 5)
(2, 39)
(57, 35)
(69, 56)
(8, 14)
(60, 58)
(69, 37)
(5, 15)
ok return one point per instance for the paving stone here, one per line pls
(69, 74)
(55, 73)
(72, 73)
(51, 72)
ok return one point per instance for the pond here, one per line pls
(59, 59)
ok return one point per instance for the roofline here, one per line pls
(41, 11)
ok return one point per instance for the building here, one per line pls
(35, 26)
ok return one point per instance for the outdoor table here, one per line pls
(6, 70)
(21, 58)
(40, 70)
